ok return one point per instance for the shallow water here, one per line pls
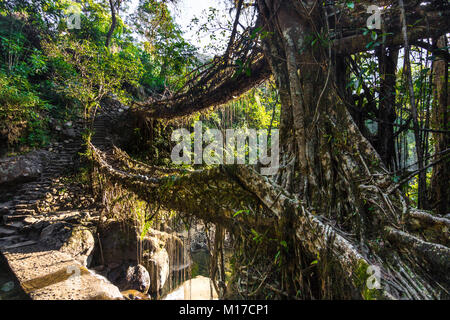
(9, 286)
(199, 288)
(192, 282)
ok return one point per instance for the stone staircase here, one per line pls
(100, 137)
(43, 271)
(29, 202)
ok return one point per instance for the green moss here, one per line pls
(360, 277)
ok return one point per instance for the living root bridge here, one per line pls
(216, 194)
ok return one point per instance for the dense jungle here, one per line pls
(119, 178)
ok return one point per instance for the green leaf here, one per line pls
(374, 36)
(369, 45)
(241, 211)
(277, 256)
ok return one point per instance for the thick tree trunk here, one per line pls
(331, 154)
(439, 193)
(337, 172)
(112, 5)
(385, 145)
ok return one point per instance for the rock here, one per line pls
(69, 132)
(173, 245)
(105, 290)
(76, 241)
(199, 241)
(23, 168)
(158, 268)
(119, 243)
(99, 268)
(40, 225)
(130, 277)
(137, 278)
(134, 295)
(30, 220)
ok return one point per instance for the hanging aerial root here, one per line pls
(217, 194)
(312, 233)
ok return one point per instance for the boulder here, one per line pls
(137, 278)
(158, 267)
(119, 243)
(104, 290)
(130, 277)
(23, 168)
(172, 244)
(199, 241)
(74, 240)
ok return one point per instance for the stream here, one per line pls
(199, 286)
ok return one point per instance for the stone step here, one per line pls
(7, 232)
(27, 190)
(29, 197)
(24, 204)
(10, 240)
(48, 175)
(30, 193)
(10, 218)
(40, 184)
(26, 212)
(31, 188)
(20, 245)
(15, 225)
(34, 194)
(59, 165)
(34, 190)
(48, 275)
(12, 237)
